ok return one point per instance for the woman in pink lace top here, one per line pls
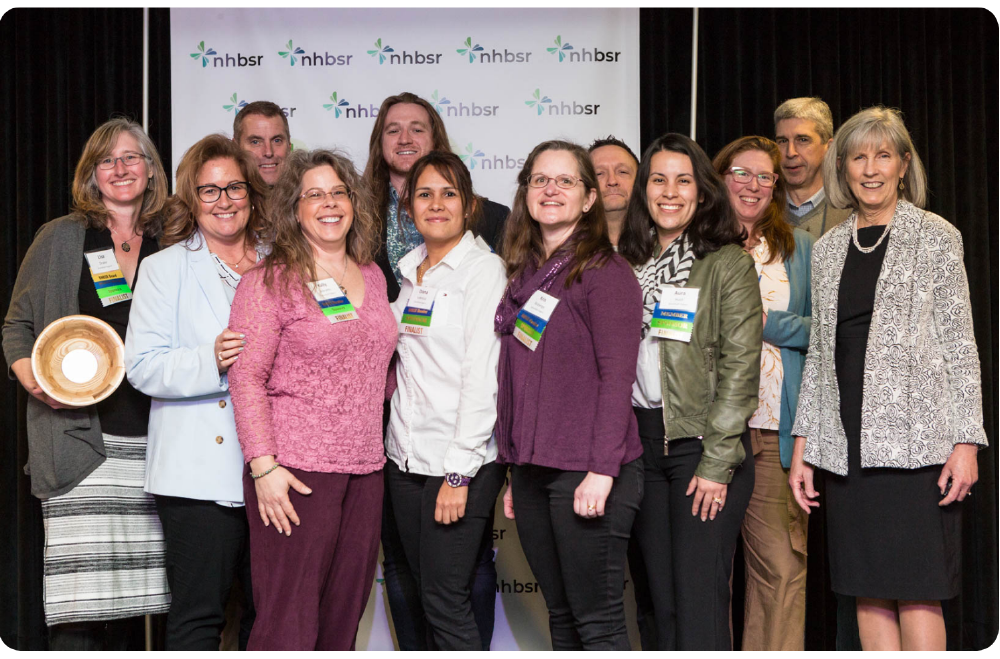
(307, 394)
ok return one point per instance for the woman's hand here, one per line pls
(228, 346)
(22, 370)
(450, 506)
(591, 493)
(508, 502)
(962, 469)
(272, 494)
(800, 478)
(709, 497)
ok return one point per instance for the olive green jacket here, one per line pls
(710, 385)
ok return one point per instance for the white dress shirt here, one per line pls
(444, 407)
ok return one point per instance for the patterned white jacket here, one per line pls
(922, 389)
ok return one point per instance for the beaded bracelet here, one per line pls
(265, 472)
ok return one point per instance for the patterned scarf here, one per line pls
(401, 235)
(672, 266)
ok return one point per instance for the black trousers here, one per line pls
(207, 549)
(442, 558)
(688, 562)
(579, 562)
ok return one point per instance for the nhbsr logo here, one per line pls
(342, 108)
(567, 52)
(388, 53)
(295, 54)
(473, 158)
(545, 105)
(478, 53)
(448, 108)
(224, 60)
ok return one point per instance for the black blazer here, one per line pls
(490, 228)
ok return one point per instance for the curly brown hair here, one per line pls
(86, 194)
(182, 209)
(291, 251)
(522, 241)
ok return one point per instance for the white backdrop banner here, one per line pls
(503, 79)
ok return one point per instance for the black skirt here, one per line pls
(887, 536)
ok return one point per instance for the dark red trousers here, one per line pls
(310, 589)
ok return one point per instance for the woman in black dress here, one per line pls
(891, 389)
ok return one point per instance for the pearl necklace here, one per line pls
(869, 250)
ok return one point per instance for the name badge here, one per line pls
(673, 316)
(332, 301)
(419, 309)
(108, 277)
(533, 317)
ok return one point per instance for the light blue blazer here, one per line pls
(179, 306)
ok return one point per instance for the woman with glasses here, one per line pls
(695, 387)
(178, 350)
(569, 324)
(103, 555)
(774, 529)
(308, 394)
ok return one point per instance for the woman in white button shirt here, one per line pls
(442, 471)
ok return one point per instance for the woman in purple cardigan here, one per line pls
(570, 322)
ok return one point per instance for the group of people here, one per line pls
(661, 350)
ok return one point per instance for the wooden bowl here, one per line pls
(78, 360)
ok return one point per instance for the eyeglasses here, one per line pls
(317, 196)
(129, 160)
(564, 181)
(765, 179)
(235, 191)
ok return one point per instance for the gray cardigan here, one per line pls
(64, 446)
(922, 390)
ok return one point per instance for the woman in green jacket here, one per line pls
(696, 386)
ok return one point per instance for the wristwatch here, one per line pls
(457, 480)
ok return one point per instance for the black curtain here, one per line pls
(939, 66)
(67, 71)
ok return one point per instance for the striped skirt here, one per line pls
(103, 543)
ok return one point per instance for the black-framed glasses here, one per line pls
(564, 181)
(129, 160)
(765, 179)
(316, 196)
(209, 193)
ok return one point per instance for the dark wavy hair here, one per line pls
(714, 224)
(453, 170)
(772, 225)
(522, 243)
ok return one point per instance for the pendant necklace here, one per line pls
(869, 250)
(342, 273)
(125, 243)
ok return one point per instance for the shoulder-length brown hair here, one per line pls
(522, 243)
(376, 174)
(291, 251)
(87, 196)
(452, 169)
(183, 207)
(772, 226)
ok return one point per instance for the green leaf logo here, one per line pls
(290, 52)
(537, 101)
(469, 49)
(470, 155)
(203, 54)
(560, 48)
(438, 102)
(380, 51)
(234, 105)
(336, 105)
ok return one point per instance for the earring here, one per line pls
(901, 186)
(586, 208)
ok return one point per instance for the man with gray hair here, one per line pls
(803, 129)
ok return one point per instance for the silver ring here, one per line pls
(220, 355)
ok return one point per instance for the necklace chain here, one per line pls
(342, 273)
(869, 250)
